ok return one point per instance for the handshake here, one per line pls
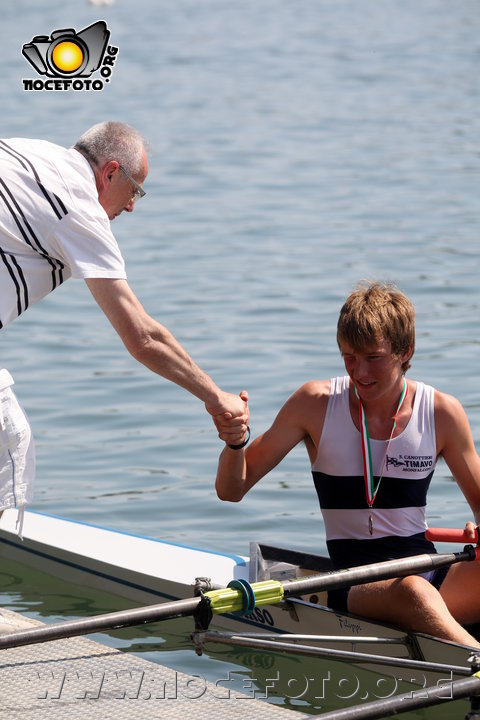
(230, 415)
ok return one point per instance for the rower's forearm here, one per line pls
(231, 475)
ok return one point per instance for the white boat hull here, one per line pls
(142, 569)
(148, 571)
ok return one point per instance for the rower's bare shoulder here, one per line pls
(314, 391)
(455, 443)
(447, 406)
(307, 406)
(451, 420)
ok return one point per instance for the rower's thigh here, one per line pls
(378, 599)
(461, 592)
(394, 600)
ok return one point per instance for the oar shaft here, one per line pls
(99, 623)
(399, 704)
(376, 571)
(230, 599)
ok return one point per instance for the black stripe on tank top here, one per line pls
(348, 492)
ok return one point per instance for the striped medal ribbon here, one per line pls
(371, 488)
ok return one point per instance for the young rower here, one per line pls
(373, 439)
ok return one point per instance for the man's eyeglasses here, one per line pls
(139, 192)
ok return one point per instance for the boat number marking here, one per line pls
(261, 615)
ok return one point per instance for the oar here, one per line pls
(99, 623)
(378, 571)
(239, 596)
(413, 700)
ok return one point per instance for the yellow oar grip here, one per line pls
(240, 598)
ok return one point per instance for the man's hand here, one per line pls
(231, 416)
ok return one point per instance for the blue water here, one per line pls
(296, 147)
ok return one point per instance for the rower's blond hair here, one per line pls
(374, 312)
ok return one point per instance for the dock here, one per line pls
(81, 678)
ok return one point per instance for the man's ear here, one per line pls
(109, 170)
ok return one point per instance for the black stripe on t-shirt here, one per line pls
(18, 280)
(54, 201)
(29, 235)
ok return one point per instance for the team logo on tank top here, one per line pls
(410, 463)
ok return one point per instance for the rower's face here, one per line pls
(374, 370)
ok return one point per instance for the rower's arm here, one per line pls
(455, 444)
(299, 419)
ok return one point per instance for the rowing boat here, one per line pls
(147, 570)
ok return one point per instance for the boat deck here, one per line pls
(80, 678)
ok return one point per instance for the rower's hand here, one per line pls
(471, 531)
(232, 422)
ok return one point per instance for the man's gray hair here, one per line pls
(112, 140)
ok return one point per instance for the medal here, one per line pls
(370, 488)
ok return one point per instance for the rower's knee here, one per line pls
(410, 602)
(416, 590)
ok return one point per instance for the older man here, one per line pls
(56, 205)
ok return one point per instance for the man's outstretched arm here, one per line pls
(154, 346)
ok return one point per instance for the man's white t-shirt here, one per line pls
(52, 226)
